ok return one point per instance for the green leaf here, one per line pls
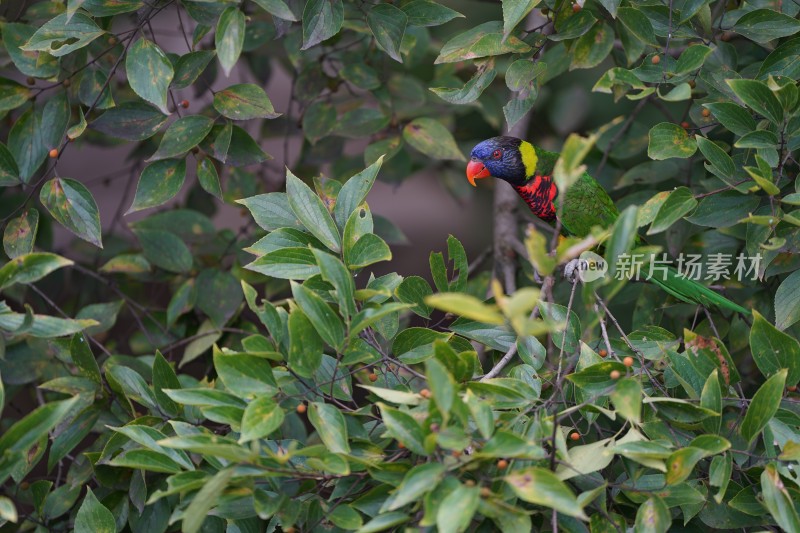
(322, 19)
(719, 159)
(388, 24)
(457, 509)
(245, 375)
(183, 135)
(287, 263)
(95, 90)
(310, 210)
(190, 66)
(402, 427)
(159, 183)
(471, 90)
(40, 65)
(208, 178)
(94, 517)
(30, 267)
(9, 172)
(354, 192)
(733, 117)
(149, 73)
(325, 321)
(345, 517)
(442, 385)
(763, 25)
(431, 138)
(680, 202)
(305, 345)
(361, 122)
(622, 238)
(541, 487)
(271, 211)
(428, 13)
(653, 516)
(514, 11)
(206, 498)
(777, 500)
(261, 417)
(773, 349)
(31, 429)
(465, 305)
(26, 143)
(668, 140)
(63, 35)
(334, 272)
(12, 94)
(319, 121)
(711, 399)
(787, 304)
(220, 296)
(507, 444)
(692, 59)
(244, 101)
(484, 40)
(413, 290)
(417, 482)
(165, 250)
(763, 406)
(330, 425)
(627, 399)
(757, 139)
(229, 38)
(72, 205)
(637, 23)
(83, 358)
(20, 233)
(758, 96)
(384, 521)
(593, 47)
(277, 8)
(132, 121)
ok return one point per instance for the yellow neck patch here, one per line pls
(529, 157)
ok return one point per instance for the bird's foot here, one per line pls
(572, 271)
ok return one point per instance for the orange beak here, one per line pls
(475, 171)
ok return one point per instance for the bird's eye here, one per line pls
(497, 154)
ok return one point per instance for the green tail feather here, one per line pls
(690, 291)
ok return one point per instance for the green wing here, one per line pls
(690, 291)
(585, 204)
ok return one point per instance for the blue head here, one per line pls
(506, 158)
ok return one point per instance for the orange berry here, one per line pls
(614, 374)
(373, 377)
(24, 485)
(502, 464)
(692, 84)
(655, 60)
(401, 445)
(486, 492)
(685, 125)
(469, 483)
(185, 104)
(603, 353)
(576, 8)
(456, 453)
(706, 113)
(574, 435)
(112, 40)
(302, 408)
(289, 529)
(792, 388)
(30, 80)
(53, 153)
(545, 11)
(425, 393)
(628, 361)
(66, 83)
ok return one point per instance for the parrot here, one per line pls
(528, 169)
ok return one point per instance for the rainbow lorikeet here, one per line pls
(528, 169)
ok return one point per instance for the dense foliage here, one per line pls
(165, 374)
